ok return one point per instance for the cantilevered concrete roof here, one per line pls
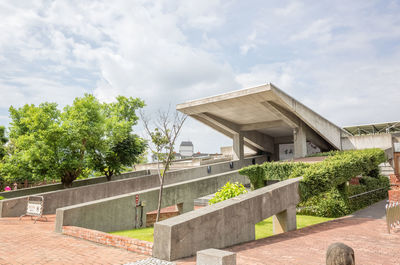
(265, 115)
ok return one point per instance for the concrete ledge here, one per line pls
(214, 256)
(118, 212)
(55, 199)
(226, 223)
(75, 184)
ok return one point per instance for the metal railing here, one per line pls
(392, 215)
(365, 193)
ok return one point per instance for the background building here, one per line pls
(186, 149)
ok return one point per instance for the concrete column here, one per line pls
(185, 207)
(300, 142)
(285, 221)
(238, 146)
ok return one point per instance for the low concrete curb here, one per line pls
(131, 244)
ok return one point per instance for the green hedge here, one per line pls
(368, 184)
(324, 183)
(338, 169)
(258, 174)
(329, 204)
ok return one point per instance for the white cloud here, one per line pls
(293, 8)
(340, 58)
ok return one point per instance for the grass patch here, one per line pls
(145, 234)
(263, 228)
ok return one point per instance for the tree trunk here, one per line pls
(159, 198)
(67, 179)
(66, 184)
(108, 175)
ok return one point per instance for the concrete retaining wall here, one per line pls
(56, 199)
(226, 223)
(75, 184)
(383, 141)
(118, 213)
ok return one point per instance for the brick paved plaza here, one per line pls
(22, 242)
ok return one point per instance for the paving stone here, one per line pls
(151, 261)
(22, 242)
(368, 237)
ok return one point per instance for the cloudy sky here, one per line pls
(340, 58)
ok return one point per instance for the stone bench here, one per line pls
(214, 256)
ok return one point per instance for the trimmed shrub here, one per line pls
(228, 191)
(1, 197)
(258, 174)
(329, 204)
(324, 189)
(338, 169)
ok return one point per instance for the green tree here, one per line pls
(30, 154)
(46, 143)
(119, 147)
(82, 128)
(3, 141)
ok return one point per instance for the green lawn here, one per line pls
(145, 234)
(263, 228)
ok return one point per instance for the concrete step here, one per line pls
(386, 169)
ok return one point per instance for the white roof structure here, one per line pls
(264, 116)
(375, 128)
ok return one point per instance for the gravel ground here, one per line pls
(151, 261)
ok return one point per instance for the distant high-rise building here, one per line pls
(186, 149)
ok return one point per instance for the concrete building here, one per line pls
(269, 121)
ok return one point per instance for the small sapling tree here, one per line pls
(163, 136)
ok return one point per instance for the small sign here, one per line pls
(137, 199)
(34, 208)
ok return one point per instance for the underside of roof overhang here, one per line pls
(265, 116)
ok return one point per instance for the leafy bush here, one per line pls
(368, 184)
(228, 191)
(329, 153)
(258, 174)
(323, 190)
(338, 169)
(1, 197)
(329, 204)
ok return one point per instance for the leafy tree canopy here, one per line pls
(46, 143)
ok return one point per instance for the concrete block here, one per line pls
(214, 256)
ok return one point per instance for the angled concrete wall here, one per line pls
(226, 223)
(75, 184)
(118, 213)
(56, 199)
(383, 141)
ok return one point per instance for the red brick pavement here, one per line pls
(22, 242)
(368, 237)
